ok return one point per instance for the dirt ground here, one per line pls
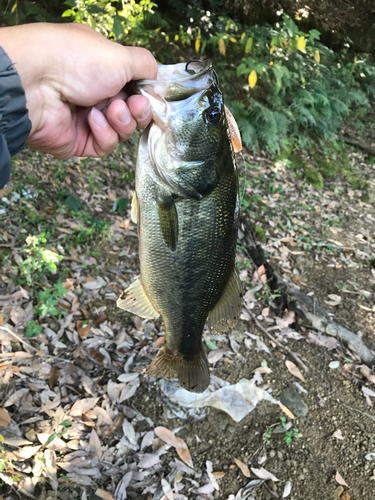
(85, 367)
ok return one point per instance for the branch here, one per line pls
(279, 345)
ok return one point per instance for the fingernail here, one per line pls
(124, 115)
(145, 112)
(98, 117)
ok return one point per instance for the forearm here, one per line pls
(15, 125)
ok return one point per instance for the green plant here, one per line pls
(58, 434)
(5, 463)
(39, 259)
(48, 300)
(289, 432)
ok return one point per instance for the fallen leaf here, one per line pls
(83, 328)
(83, 406)
(334, 364)
(103, 494)
(159, 342)
(16, 397)
(168, 437)
(366, 372)
(338, 434)
(294, 370)
(243, 467)
(287, 489)
(148, 460)
(4, 417)
(53, 377)
(264, 474)
(184, 453)
(334, 300)
(340, 479)
(287, 411)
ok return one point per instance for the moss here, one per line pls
(313, 176)
(296, 162)
(260, 233)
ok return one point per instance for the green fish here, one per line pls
(186, 205)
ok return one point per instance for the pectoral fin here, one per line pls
(135, 300)
(227, 311)
(168, 221)
(135, 209)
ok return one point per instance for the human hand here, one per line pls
(74, 82)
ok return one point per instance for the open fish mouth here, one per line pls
(175, 82)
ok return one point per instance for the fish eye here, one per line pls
(213, 115)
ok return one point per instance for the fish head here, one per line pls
(189, 132)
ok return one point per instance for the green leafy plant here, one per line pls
(5, 463)
(290, 433)
(39, 259)
(47, 301)
(58, 434)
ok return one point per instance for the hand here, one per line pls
(74, 82)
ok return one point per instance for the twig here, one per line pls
(18, 338)
(279, 345)
(358, 411)
(273, 493)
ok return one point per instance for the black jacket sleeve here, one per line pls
(15, 125)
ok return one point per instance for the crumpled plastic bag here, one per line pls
(236, 400)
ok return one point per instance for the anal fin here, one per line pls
(227, 310)
(135, 300)
(194, 375)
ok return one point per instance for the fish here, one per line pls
(186, 207)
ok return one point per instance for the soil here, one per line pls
(334, 397)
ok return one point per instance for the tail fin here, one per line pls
(194, 376)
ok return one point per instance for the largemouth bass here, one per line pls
(186, 205)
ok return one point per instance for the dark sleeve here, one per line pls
(15, 125)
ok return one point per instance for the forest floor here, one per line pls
(81, 421)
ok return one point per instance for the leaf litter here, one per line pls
(85, 367)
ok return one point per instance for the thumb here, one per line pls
(138, 63)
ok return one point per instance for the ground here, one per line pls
(82, 420)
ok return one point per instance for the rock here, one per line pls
(292, 399)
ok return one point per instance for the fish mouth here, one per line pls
(175, 82)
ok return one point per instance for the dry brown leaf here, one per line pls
(159, 342)
(184, 453)
(83, 328)
(294, 370)
(366, 372)
(243, 467)
(168, 437)
(53, 377)
(4, 417)
(340, 479)
(103, 494)
(287, 411)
